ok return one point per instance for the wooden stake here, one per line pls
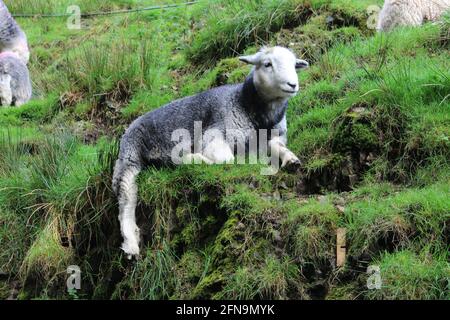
(340, 247)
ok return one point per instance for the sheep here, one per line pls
(259, 102)
(15, 83)
(410, 12)
(12, 38)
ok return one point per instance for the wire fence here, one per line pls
(105, 13)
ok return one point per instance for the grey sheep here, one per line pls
(258, 103)
(12, 38)
(15, 83)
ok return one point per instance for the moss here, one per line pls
(197, 230)
(192, 265)
(189, 272)
(208, 286)
(82, 108)
(364, 136)
(324, 91)
(190, 233)
(313, 39)
(229, 71)
(321, 162)
(355, 130)
(227, 242)
(346, 34)
(308, 41)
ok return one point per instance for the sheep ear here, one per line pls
(301, 64)
(252, 59)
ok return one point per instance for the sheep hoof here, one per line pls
(131, 250)
(130, 257)
(292, 165)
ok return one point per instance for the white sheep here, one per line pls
(257, 104)
(12, 38)
(15, 83)
(410, 12)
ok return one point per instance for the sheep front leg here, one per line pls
(218, 151)
(278, 148)
(127, 206)
(215, 152)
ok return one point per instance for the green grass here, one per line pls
(60, 6)
(408, 216)
(371, 126)
(411, 276)
(233, 25)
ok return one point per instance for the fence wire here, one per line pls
(104, 13)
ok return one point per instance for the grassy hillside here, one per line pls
(371, 125)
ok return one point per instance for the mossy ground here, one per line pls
(371, 126)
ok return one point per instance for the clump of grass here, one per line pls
(108, 74)
(12, 230)
(152, 278)
(190, 270)
(273, 280)
(232, 27)
(406, 275)
(313, 39)
(396, 220)
(58, 206)
(35, 111)
(311, 227)
(46, 258)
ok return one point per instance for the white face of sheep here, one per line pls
(275, 72)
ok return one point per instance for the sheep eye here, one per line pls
(268, 64)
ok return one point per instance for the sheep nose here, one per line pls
(292, 85)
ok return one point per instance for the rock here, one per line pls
(358, 110)
(277, 195)
(14, 291)
(240, 226)
(284, 186)
(277, 236)
(362, 157)
(353, 180)
(289, 195)
(322, 199)
(371, 157)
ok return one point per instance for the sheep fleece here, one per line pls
(148, 139)
(20, 78)
(11, 35)
(410, 12)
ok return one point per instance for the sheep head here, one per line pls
(275, 72)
